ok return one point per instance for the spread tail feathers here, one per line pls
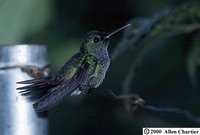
(34, 88)
(46, 94)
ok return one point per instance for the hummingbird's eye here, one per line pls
(96, 39)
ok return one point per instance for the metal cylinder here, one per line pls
(17, 116)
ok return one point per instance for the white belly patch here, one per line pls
(76, 92)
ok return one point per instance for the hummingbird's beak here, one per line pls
(115, 31)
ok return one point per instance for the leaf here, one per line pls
(134, 35)
(192, 60)
(128, 81)
(183, 19)
(126, 88)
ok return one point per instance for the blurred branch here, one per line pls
(186, 113)
(138, 103)
(181, 28)
(32, 71)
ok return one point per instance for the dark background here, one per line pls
(161, 79)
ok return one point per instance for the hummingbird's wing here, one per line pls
(55, 96)
(74, 74)
(41, 86)
(58, 93)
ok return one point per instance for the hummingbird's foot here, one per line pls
(86, 89)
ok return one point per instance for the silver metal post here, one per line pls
(17, 116)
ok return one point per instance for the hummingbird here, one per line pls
(83, 71)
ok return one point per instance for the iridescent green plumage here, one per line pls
(84, 70)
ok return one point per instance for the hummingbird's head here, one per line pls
(95, 42)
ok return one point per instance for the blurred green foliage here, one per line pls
(157, 58)
(22, 18)
(165, 49)
(165, 25)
